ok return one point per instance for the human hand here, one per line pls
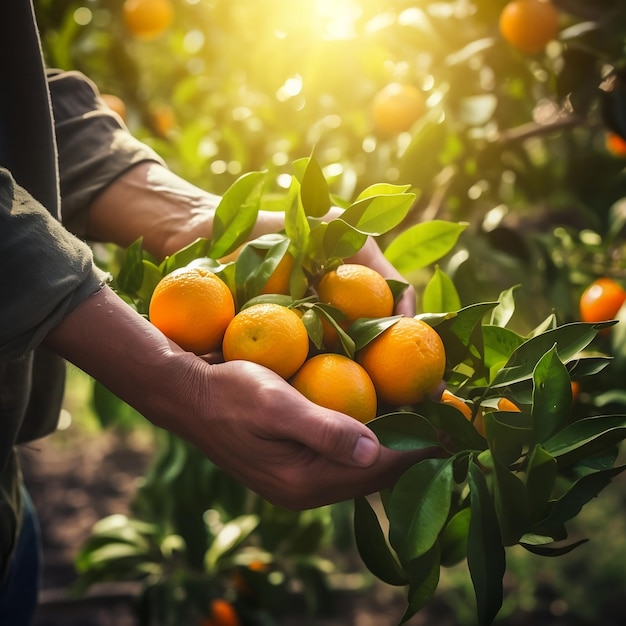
(242, 416)
(294, 453)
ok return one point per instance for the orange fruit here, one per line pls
(458, 403)
(615, 144)
(147, 19)
(116, 104)
(504, 404)
(163, 119)
(192, 306)
(405, 362)
(601, 300)
(357, 291)
(268, 334)
(396, 107)
(529, 25)
(575, 390)
(337, 382)
(278, 282)
(221, 613)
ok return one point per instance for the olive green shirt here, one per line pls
(59, 147)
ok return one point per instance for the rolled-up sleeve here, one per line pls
(46, 272)
(93, 143)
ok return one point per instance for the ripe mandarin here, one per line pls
(147, 19)
(268, 334)
(396, 107)
(337, 382)
(405, 362)
(192, 306)
(221, 613)
(357, 291)
(529, 25)
(601, 300)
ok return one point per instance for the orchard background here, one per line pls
(522, 146)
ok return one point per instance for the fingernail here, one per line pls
(365, 451)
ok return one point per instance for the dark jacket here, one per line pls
(59, 147)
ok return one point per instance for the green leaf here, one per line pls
(586, 437)
(297, 226)
(334, 317)
(121, 555)
(453, 538)
(130, 273)
(256, 262)
(508, 434)
(552, 396)
(183, 257)
(231, 535)
(423, 244)
(236, 213)
(372, 545)
(340, 240)
(587, 365)
(503, 313)
(365, 330)
(485, 553)
(580, 493)
(499, 344)
(569, 340)
(151, 277)
(460, 433)
(314, 190)
(381, 189)
(377, 215)
(440, 294)
(404, 431)
(511, 504)
(418, 507)
(424, 575)
(548, 551)
(462, 335)
(541, 476)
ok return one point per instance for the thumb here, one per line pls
(336, 436)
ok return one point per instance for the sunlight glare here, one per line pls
(340, 17)
(290, 88)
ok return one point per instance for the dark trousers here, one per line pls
(18, 595)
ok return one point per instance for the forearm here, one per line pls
(111, 342)
(150, 201)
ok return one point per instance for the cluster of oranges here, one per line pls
(405, 362)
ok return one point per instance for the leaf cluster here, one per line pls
(516, 481)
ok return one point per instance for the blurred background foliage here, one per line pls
(526, 148)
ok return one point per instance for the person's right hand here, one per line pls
(291, 451)
(243, 417)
